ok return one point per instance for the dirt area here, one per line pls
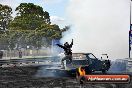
(24, 77)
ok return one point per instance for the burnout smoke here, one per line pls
(99, 26)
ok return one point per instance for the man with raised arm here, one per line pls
(68, 52)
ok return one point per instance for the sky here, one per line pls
(56, 8)
(97, 26)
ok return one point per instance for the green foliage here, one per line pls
(29, 17)
(31, 27)
(5, 16)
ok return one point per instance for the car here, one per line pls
(88, 62)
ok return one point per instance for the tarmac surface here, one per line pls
(36, 76)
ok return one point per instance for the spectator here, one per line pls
(1, 54)
(20, 54)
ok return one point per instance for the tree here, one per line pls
(5, 16)
(29, 17)
(34, 23)
(30, 27)
(7, 40)
(48, 32)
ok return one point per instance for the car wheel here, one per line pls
(88, 70)
(103, 71)
(77, 75)
(82, 80)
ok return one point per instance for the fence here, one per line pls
(26, 53)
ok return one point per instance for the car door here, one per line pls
(95, 63)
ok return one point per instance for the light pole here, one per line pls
(130, 33)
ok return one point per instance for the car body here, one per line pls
(89, 62)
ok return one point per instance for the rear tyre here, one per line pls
(77, 74)
(88, 70)
(103, 71)
(82, 80)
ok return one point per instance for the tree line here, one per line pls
(30, 27)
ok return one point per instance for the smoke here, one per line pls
(118, 66)
(99, 26)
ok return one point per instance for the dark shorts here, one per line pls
(68, 59)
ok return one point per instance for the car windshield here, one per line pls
(92, 56)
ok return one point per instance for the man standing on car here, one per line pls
(68, 52)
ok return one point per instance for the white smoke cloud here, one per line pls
(56, 19)
(99, 26)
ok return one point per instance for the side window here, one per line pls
(83, 57)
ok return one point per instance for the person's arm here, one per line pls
(71, 43)
(60, 46)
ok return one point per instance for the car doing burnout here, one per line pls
(88, 62)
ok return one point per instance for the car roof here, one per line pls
(82, 53)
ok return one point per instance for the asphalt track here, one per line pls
(34, 74)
